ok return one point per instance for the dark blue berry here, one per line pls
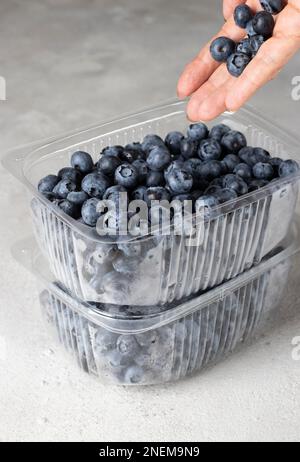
(157, 193)
(263, 171)
(108, 164)
(82, 161)
(139, 194)
(127, 175)
(242, 15)
(210, 170)
(152, 141)
(244, 171)
(233, 141)
(263, 23)
(273, 6)
(113, 193)
(192, 166)
(245, 47)
(288, 167)
(70, 173)
(114, 151)
(235, 183)
(95, 184)
(155, 179)
(275, 162)
(136, 150)
(197, 131)
(255, 43)
(189, 148)
(254, 185)
(173, 142)
(142, 169)
(225, 195)
(77, 197)
(89, 212)
(63, 188)
(221, 48)
(249, 29)
(158, 159)
(180, 181)
(237, 63)
(47, 184)
(210, 149)
(230, 162)
(69, 208)
(218, 131)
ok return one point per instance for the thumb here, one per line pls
(229, 7)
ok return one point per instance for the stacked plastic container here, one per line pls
(180, 306)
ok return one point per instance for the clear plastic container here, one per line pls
(166, 268)
(149, 345)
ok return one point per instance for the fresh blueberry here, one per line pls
(77, 197)
(218, 131)
(212, 189)
(50, 196)
(180, 181)
(263, 171)
(136, 150)
(288, 167)
(210, 149)
(63, 188)
(152, 141)
(246, 155)
(263, 23)
(175, 164)
(252, 156)
(89, 212)
(255, 43)
(237, 63)
(127, 175)
(244, 171)
(254, 185)
(221, 48)
(139, 194)
(275, 162)
(250, 30)
(113, 193)
(234, 141)
(158, 159)
(235, 183)
(273, 6)
(156, 194)
(142, 169)
(193, 166)
(108, 164)
(225, 195)
(127, 157)
(95, 184)
(210, 170)
(230, 162)
(114, 151)
(206, 203)
(245, 47)
(69, 208)
(82, 161)
(197, 131)
(70, 173)
(242, 15)
(189, 148)
(155, 179)
(47, 184)
(173, 142)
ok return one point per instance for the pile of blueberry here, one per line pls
(259, 28)
(205, 167)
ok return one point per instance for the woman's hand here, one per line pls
(213, 89)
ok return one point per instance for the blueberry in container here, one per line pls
(157, 270)
(130, 345)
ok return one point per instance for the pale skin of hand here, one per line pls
(213, 90)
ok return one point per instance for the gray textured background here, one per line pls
(69, 63)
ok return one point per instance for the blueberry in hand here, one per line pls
(82, 161)
(210, 170)
(189, 148)
(237, 63)
(245, 47)
(244, 171)
(255, 43)
(77, 197)
(142, 169)
(288, 167)
(150, 142)
(69, 208)
(218, 131)
(221, 48)
(263, 23)
(108, 164)
(155, 179)
(242, 15)
(230, 162)
(210, 149)
(158, 159)
(263, 171)
(89, 212)
(197, 131)
(70, 173)
(250, 30)
(173, 142)
(234, 141)
(127, 175)
(180, 181)
(273, 6)
(47, 184)
(95, 184)
(63, 188)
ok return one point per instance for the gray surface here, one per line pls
(70, 63)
